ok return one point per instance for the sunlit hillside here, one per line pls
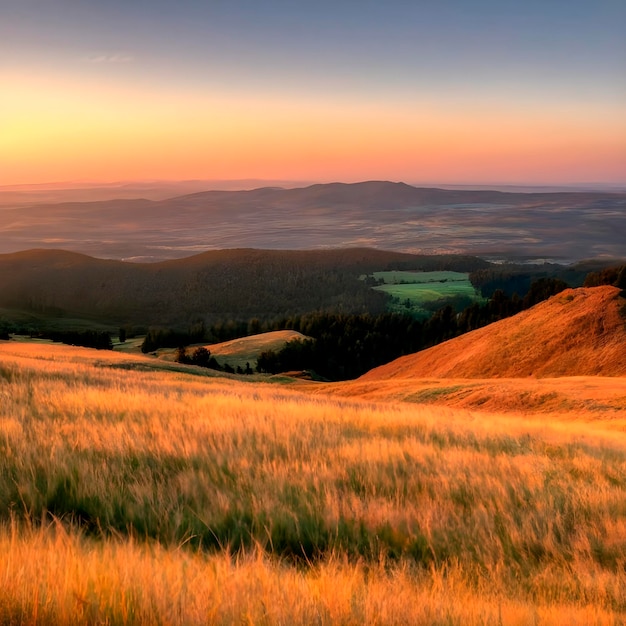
(563, 359)
(136, 497)
(243, 351)
(595, 399)
(575, 333)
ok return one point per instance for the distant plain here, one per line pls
(562, 226)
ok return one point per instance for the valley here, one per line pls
(557, 226)
(477, 481)
(168, 492)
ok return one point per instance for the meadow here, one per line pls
(422, 293)
(239, 352)
(130, 496)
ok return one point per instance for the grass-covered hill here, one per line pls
(577, 332)
(135, 496)
(243, 351)
(217, 285)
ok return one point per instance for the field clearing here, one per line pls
(132, 344)
(398, 277)
(421, 293)
(131, 496)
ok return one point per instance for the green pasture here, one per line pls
(422, 293)
(398, 277)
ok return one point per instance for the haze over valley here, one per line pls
(559, 226)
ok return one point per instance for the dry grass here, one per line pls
(51, 576)
(577, 332)
(155, 497)
(243, 351)
(593, 401)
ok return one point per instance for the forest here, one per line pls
(343, 347)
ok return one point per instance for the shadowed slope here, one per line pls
(579, 332)
(215, 285)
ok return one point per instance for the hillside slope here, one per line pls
(216, 285)
(244, 350)
(579, 332)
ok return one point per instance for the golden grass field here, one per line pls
(130, 495)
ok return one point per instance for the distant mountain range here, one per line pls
(563, 226)
(69, 191)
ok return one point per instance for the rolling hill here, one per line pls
(243, 351)
(579, 332)
(213, 286)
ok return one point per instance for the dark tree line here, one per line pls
(202, 357)
(518, 279)
(224, 330)
(99, 339)
(346, 346)
(615, 276)
(169, 338)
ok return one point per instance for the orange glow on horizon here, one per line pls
(69, 130)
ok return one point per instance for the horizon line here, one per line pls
(91, 184)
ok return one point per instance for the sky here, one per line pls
(447, 91)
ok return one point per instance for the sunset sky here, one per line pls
(448, 91)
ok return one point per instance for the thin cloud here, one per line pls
(109, 58)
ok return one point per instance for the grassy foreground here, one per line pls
(133, 497)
